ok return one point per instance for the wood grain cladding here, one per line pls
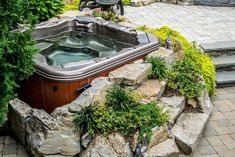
(47, 94)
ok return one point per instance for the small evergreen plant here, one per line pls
(16, 48)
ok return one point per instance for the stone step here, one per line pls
(225, 78)
(219, 48)
(224, 61)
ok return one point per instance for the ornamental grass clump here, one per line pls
(120, 99)
(159, 68)
(125, 115)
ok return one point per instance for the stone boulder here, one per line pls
(173, 105)
(61, 143)
(188, 130)
(167, 148)
(17, 117)
(159, 135)
(112, 146)
(131, 74)
(93, 95)
(151, 89)
(204, 102)
(44, 136)
(167, 55)
(63, 117)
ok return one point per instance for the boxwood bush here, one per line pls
(46, 9)
(16, 48)
(185, 78)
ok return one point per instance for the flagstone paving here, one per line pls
(203, 24)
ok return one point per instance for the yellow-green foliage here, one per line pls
(126, 2)
(72, 6)
(164, 32)
(208, 68)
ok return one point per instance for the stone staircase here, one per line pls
(223, 55)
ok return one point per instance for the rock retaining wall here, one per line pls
(54, 134)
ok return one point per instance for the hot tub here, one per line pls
(73, 52)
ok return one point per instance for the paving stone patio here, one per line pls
(10, 148)
(197, 23)
(218, 138)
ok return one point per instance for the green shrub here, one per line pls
(16, 48)
(205, 62)
(143, 117)
(127, 120)
(126, 2)
(109, 16)
(185, 77)
(72, 6)
(46, 9)
(207, 67)
(159, 68)
(164, 32)
(120, 99)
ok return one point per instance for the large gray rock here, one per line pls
(167, 148)
(204, 102)
(166, 54)
(188, 130)
(44, 136)
(151, 89)
(173, 105)
(174, 102)
(159, 134)
(63, 143)
(131, 74)
(63, 117)
(93, 95)
(17, 116)
(112, 146)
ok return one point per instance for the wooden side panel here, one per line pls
(73, 86)
(31, 91)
